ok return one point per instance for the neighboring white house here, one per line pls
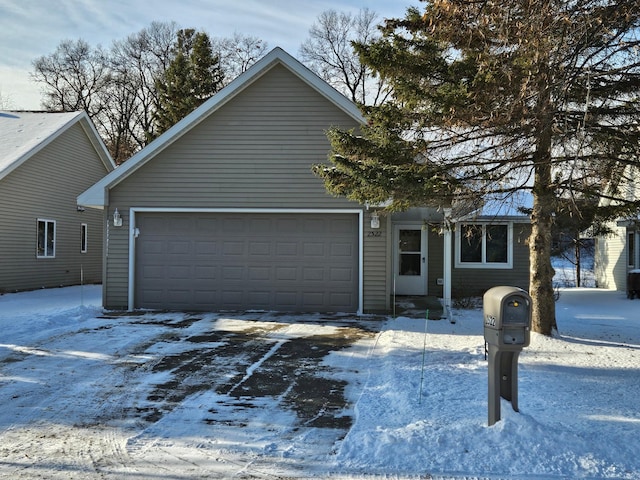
(618, 254)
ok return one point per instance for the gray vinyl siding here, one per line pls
(45, 187)
(473, 282)
(255, 152)
(376, 265)
(610, 262)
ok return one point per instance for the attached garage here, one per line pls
(282, 261)
(224, 212)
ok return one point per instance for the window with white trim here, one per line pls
(83, 238)
(483, 245)
(46, 239)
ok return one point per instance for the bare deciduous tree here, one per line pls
(118, 88)
(329, 53)
(237, 53)
(137, 62)
(74, 75)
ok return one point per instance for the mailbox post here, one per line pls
(507, 325)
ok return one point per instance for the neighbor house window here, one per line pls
(46, 239)
(484, 246)
(83, 238)
(631, 244)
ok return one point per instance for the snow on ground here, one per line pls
(70, 380)
(565, 267)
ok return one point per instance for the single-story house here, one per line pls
(223, 212)
(46, 160)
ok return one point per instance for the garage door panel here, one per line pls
(341, 250)
(314, 249)
(286, 249)
(205, 225)
(286, 273)
(341, 275)
(260, 300)
(205, 247)
(313, 274)
(179, 272)
(233, 248)
(214, 261)
(259, 273)
(231, 225)
(179, 297)
(232, 273)
(259, 249)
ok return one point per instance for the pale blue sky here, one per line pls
(32, 28)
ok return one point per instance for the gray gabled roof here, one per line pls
(96, 196)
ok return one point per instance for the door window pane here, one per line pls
(410, 240)
(410, 264)
(410, 252)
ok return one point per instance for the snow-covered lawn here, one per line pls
(77, 396)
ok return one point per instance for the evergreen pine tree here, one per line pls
(494, 98)
(192, 77)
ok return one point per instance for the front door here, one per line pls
(410, 267)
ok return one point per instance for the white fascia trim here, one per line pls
(132, 236)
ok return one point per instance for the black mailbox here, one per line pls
(507, 317)
(507, 327)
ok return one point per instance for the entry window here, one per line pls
(410, 252)
(46, 240)
(83, 238)
(484, 246)
(631, 243)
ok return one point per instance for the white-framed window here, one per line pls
(484, 245)
(83, 238)
(46, 239)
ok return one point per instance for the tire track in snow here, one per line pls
(252, 368)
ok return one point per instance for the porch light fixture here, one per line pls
(117, 219)
(375, 220)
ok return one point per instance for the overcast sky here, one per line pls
(32, 28)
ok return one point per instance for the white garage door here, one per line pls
(224, 261)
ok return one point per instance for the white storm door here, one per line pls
(410, 267)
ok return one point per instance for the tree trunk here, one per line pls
(577, 257)
(541, 272)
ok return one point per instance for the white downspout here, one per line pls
(447, 265)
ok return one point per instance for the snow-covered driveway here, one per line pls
(85, 395)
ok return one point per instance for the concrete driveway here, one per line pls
(117, 396)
